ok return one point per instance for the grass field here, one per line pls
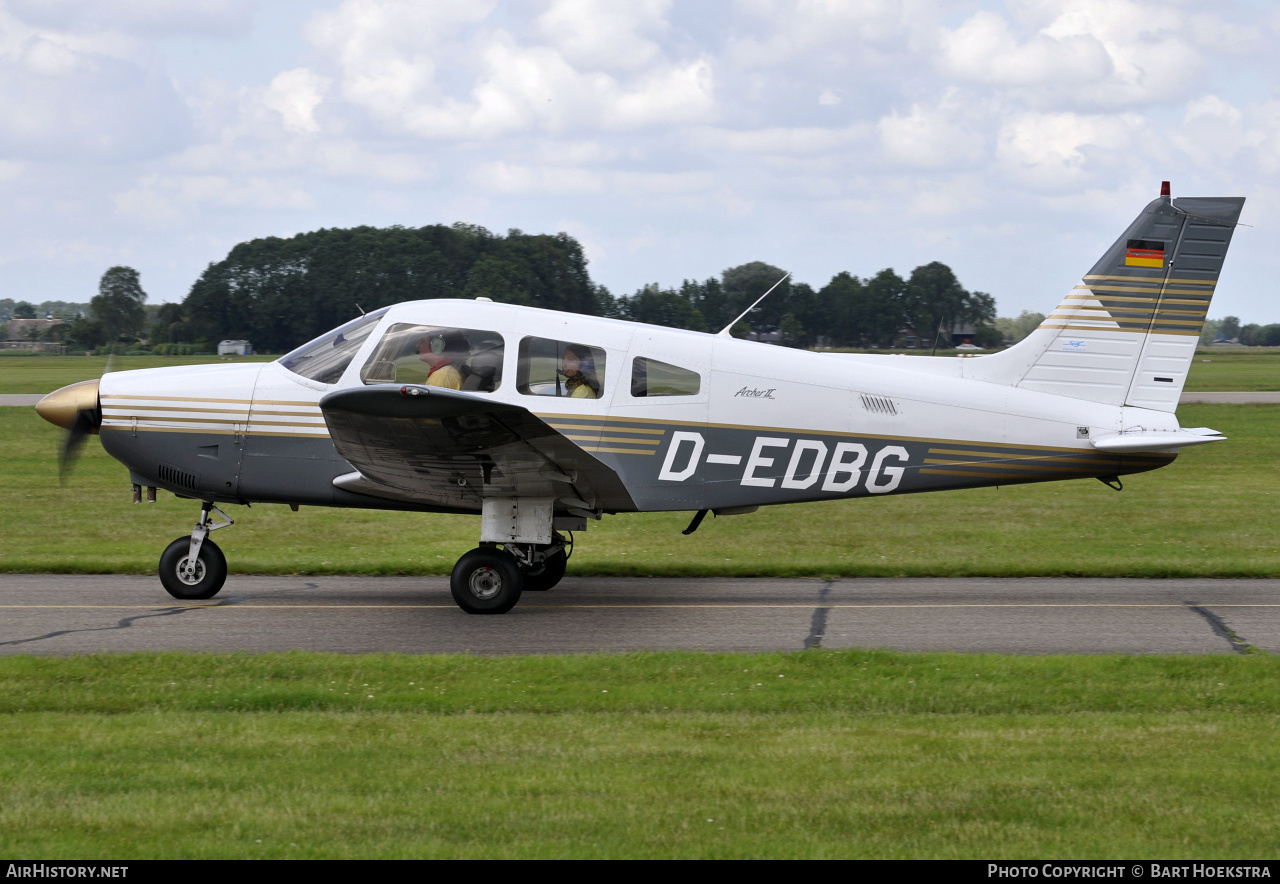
(44, 374)
(1213, 512)
(1245, 369)
(814, 754)
(811, 754)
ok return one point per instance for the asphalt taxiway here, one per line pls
(58, 614)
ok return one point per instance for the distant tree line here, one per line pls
(1229, 330)
(64, 310)
(877, 312)
(279, 293)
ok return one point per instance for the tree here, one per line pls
(1015, 329)
(934, 302)
(279, 293)
(792, 331)
(747, 282)
(118, 305)
(1229, 327)
(885, 308)
(658, 306)
(24, 310)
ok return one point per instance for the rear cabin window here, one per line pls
(466, 359)
(327, 357)
(649, 377)
(560, 368)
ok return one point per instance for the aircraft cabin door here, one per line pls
(661, 401)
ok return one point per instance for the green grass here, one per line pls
(44, 374)
(816, 754)
(1214, 512)
(1253, 368)
(1248, 369)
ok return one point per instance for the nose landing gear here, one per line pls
(194, 568)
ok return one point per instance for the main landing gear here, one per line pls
(193, 568)
(490, 578)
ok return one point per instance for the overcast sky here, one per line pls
(1011, 140)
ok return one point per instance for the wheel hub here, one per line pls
(190, 576)
(484, 583)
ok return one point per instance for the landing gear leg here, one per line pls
(544, 564)
(194, 567)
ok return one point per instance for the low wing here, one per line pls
(451, 449)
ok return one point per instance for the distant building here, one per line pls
(235, 348)
(28, 329)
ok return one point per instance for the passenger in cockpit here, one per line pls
(579, 371)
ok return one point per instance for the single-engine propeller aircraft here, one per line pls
(542, 421)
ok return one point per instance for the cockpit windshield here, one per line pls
(327, 357)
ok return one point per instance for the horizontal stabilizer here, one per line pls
(1157, 440)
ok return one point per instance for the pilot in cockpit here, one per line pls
(445, 352)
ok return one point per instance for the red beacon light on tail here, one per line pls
(1164, 188)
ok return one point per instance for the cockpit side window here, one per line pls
(649, 377)
(560, 368)
(466, 359)
(327, 357)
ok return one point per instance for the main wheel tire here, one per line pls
(486, 581)
(547, 574)
(210, 574)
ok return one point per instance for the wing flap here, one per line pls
(453, 449)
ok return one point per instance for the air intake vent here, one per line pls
(878, 404)
(174, 476)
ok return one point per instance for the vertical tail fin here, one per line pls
(1128, 333)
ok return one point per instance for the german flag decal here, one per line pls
(1144, 253)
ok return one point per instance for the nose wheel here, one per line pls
(189, 579)
(194, 568)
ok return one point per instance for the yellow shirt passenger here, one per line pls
(579, 372)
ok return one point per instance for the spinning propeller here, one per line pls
(77, 410)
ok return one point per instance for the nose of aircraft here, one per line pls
(63, 407)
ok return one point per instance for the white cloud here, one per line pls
(295, 95)
(518, 180)
(62, 97)
(605, 34)
(160, 200)
(385, 48)
(797, 141)
(1212, 131)
(934, 137)
(391, 56)
(828, 98)
(221, 17)
(985, 49)
(1106, 52)
(1065, 150)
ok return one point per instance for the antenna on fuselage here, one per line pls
(724, 332)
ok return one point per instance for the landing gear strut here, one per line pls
(490, 578)
(194, 567)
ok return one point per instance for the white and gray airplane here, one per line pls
(542, 421)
